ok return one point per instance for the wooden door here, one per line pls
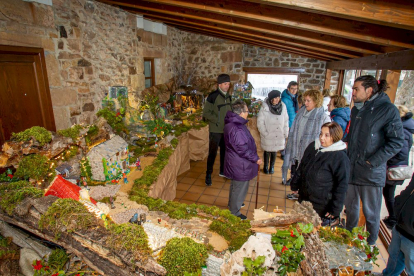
(24, 91)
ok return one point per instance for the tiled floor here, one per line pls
(191, 188)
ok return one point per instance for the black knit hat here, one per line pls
(223, 78)
(274, 94)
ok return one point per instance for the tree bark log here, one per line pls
(89, 245)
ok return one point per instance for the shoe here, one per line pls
(293, 196)
(242, 217)
(287, 182)
(222, 175)
(330, 222)
(208, 180)
(389, 224)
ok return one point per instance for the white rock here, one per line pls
(27, 257)
(254, 247)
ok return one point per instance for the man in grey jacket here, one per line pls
(375, 135)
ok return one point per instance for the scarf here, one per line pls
(275, 109)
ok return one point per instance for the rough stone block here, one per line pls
(43, 15)
(104, 77)
(305, 75)
(294, 64)
(284, 64)
(84, 63)
(153, 53)
(314, 81)
(17, 11)
(52, 67)
(74, 45)
(310, 71)
(147, 37)
(312, 60)
(316, 65)
(76, 73)
(319, 71)
(276, 62)
(48, 44)
(88, 107)
(82, 90)
(76, 32)
(74, 111)
(157, 39)
(62, 119)
(63, 96)
(15, 27)
(61, 45)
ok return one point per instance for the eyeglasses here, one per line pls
(245, 111)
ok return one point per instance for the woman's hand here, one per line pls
(259, 162)
(328, 215)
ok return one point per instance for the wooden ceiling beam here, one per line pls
(250, 25)
(253, 43)
(329, 25)
(283, 43)
(402, 60)
(249, 42)
(396, 13)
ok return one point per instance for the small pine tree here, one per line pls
(86, 169)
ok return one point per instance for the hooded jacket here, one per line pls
(404, 206)
(291, 102)
(241, 152)
(401, 158)
(215, 109)
(274, 129)
(341, 115)
(322, 177)
(375, 135)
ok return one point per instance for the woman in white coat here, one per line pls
(273, 125)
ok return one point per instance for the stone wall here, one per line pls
(89, 46)
(313, 77)
(334, 81)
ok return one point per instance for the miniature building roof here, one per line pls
(109, 148)
(63, 167)
(64, 189)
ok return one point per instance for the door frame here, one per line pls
(45, 99)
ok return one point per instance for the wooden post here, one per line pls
(341, 81)
(328, 79)
(393, 78)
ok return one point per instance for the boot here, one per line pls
(272, 162)
(208, 179)
(266, 156)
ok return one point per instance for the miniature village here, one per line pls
(98, 200)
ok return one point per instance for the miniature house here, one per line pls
(109, 159)
(64, 169)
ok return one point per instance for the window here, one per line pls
(349, 78)
(149, 72)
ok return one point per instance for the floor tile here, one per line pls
(206, 199)
(186, 201)
(191, 196)
(187, 180)
(192, 174)
(211, 191)
(199, 182)
(196, 189)
(183, 186)
(263, 191)
(221, 201)
(275, 201)
(223, 193)
(179, 194)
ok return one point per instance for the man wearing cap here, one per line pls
(215, 108)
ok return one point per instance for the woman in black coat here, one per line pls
(323, 174)
(399, 159)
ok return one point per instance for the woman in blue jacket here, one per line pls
(340, 113)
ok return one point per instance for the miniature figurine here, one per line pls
(159, 221)
(143, 217)
(138, 164)
(125, 177)
(85, 184)
(134, 218)
(111, 199)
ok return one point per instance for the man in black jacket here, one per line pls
(375, 135)
(215, 109)
(401, 249)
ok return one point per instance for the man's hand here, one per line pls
(259, 162)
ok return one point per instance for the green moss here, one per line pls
(72, 132)
(57, 259)
(13, 193)
(130, 237)
(68, 214)
(6, 251)
(92, 132)
(34, 166)
(174, 142)
(115, 120)
(40, 134)
(235, 231)
(182, 255)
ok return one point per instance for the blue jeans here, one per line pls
(401, 255)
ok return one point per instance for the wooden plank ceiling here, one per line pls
(324, 29)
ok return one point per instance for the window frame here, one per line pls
(152, 77)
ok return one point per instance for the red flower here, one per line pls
(77, 274)
(284, 248)
(56, 274)
(292, 235)
(10, 175)
(117, 114)
(369, 256)
(38, 265)
(155, 128)
(360, 237)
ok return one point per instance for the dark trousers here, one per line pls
(389, 196)
(216, 141)
(293, 168)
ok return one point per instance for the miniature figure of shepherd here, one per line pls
(138, 164)
(125, 177)
(85, 184)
